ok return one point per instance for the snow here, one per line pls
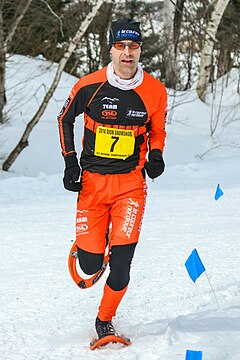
(44, 315)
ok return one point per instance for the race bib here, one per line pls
(114, 143)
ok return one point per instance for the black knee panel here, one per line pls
(120, 263)
(90, 263)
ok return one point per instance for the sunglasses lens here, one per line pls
(134, 46)
(121, 45)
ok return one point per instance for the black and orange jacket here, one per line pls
(142, 110)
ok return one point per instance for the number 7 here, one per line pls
(116, 138)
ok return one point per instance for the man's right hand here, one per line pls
(71, 173)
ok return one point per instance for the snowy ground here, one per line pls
(44, 316)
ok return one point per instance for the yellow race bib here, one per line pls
(114, 143)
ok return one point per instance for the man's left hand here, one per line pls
(155, 165)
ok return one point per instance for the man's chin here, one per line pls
(128, 71)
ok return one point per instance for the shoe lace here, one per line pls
(104, 328)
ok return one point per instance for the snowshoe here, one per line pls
(107, 334)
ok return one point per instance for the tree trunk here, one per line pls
(149, 17)
(169, 48)
(2, 66)
(72, 45)
(225, 62)
(23, 6)
(177, 23)
(104, 54)
(206, 54)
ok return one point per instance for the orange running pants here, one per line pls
(118, 199)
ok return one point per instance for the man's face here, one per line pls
(125, 61)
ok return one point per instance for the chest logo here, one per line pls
(110, 100)
(109, 108)
(136, 113)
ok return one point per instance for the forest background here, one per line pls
(186, 44)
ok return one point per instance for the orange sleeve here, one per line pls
(154, 96)
(157, 133)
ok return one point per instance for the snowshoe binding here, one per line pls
(107, 334)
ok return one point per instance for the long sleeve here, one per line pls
(157, 131)
(73, 106)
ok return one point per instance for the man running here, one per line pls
(124, 119)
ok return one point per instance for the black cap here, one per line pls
(124, 29)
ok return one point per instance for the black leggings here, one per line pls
(120, 263)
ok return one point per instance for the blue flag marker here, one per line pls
(194, 266)
(218, 193)
(193, 355)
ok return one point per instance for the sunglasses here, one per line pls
(132, 45)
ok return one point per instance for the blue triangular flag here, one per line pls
(193, 355)
(194, 265)
(218, 193)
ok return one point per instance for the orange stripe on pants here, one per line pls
(110, 301)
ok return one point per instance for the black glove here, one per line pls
(155, 165)
(71, 173)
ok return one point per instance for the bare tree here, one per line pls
(2, 65)
(219, 7)
(178, 18)
(4, 43)
(169, 47)
(72, 45)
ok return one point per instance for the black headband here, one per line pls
(124, 29)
